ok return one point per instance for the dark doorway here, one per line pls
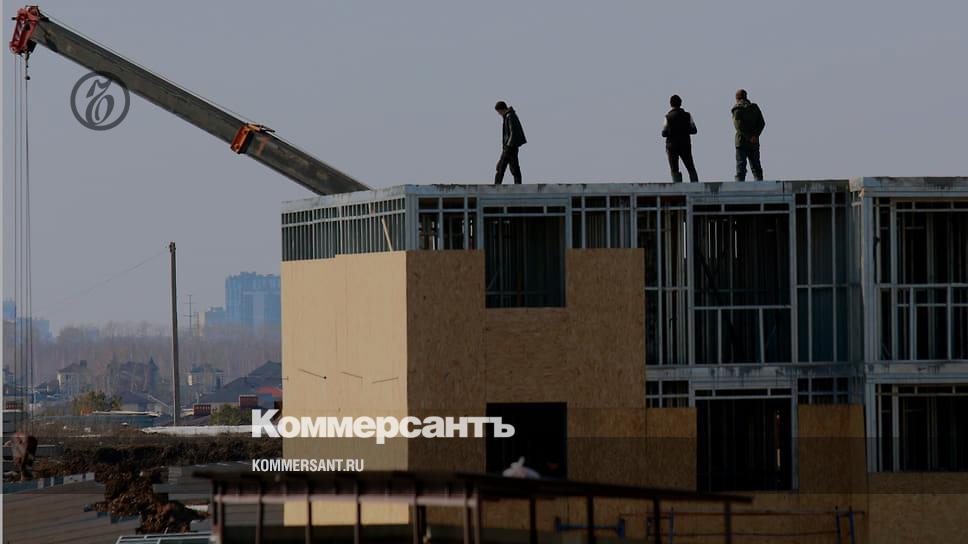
(540, 436)
(744, 444)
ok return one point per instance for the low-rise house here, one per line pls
(130, 376)
(75, 379)
(205, 378)
(135, 401)
(264, 383)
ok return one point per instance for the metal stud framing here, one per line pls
(837, 239)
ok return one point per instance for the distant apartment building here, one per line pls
(252, 299)
(40, 327)
(8, 381)
(214, 317)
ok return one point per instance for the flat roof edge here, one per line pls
(955, 186)
(950, 186)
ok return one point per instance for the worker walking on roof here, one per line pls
(678, 129)
(512, 138)
(749, 123)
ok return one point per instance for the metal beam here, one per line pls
(264, 147)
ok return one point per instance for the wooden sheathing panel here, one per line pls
(929, 516)
(445, 352)
(671, 448)
(445, 316)
(917, 506)
(831, 448)
(344, 354)
(588, 354)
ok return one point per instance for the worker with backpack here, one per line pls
(749, 123)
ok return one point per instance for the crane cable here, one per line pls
(23, 371)
(27, 246)
(15, 371)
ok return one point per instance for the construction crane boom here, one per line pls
(257, 141)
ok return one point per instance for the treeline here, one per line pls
(235, 349)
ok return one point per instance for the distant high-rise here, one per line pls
(40, 326)
(214, 317)
(252, 299)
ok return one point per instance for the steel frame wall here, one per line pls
(869, 193)
(672, 209)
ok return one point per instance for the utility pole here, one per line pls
(176, 404)
(190, 316)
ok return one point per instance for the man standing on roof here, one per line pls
(749, 123)
(512, 137)
(677, 130)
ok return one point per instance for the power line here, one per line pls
(60, 303)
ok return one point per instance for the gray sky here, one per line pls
(402, 92)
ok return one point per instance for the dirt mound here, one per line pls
(130, 465)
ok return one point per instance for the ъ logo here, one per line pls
(99, 101)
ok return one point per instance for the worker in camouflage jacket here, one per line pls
(749, 123)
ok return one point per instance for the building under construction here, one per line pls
(805, 342)
(802, 341)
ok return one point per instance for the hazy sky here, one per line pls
(403, 92)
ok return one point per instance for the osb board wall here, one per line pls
(916, 506)
(445, 316)
(831, 420)
(589, 354)
(344, 350)
(345, 342)
(924, 517)
(831, 448)
(945, 483)
(672, 423)
(670, 448)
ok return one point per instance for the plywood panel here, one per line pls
(344, 354)
(831, 448)
(588, 354)
(445, 316)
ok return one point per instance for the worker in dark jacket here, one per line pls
(677, 130)
(749, 123)
(512, 137)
